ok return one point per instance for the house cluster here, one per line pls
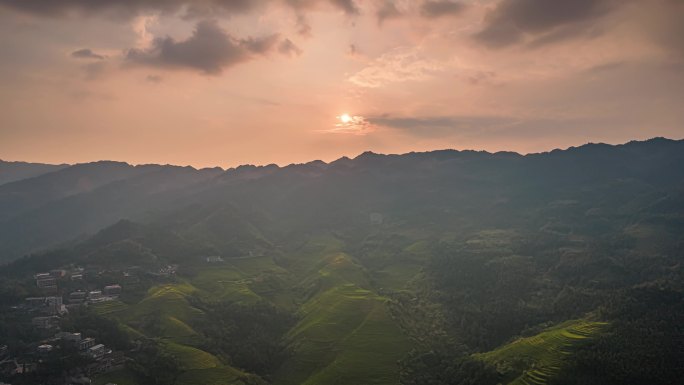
(49, 306)
(60, 291)
(100, 358)
(86, 346)
(48, 281)
(108, 293)
(47, 310)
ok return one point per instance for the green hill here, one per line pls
(346, 334)
(534, 360)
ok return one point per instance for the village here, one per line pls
(61, 292)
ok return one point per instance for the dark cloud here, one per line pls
(449, 126)
(436, 125)
(210, 49)
(303, 26)
(288, 48)
(189, 8)
(348, 6)
(129, 8)
(210, 8)
(186, 9)
(388, 10)
(86, 53)
(259, 46)
(439, 8)
(512, 21)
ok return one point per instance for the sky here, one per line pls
(230, 82)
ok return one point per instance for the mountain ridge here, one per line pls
(84, 198)
(658, 139)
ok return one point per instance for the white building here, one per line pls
(112, 290)
(97, 351)
(45, 349)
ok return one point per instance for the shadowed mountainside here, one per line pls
(13, 171)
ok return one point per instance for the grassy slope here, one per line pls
(533, 360)
(174, 314)
(346, 335)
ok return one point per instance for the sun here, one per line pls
(345, 118)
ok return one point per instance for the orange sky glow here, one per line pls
(223, 83)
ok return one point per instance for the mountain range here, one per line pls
(42, 206)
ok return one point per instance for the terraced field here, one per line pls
(190, 358)
(346, 334)
(108, 307)
(533, 360)
(346, 337)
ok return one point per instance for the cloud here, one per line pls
(399, 65)
(513, 21)
(288, 48)
(210, 49)
(429, 125)
(87, 53)
(130, 8)
(439, 8)
(448, 126)
(259, 46)
(141, 26)
(388, 10)
(144, 13)
(192, 9)
(348, 6)
(303, 26)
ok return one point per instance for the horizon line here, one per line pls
(345, 156)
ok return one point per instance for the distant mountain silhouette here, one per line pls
(13, 171)
(438, 191)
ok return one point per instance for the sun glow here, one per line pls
(351, 124)
(345, 118)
